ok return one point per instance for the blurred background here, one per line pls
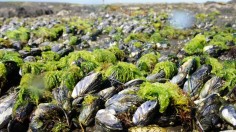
(117, 1)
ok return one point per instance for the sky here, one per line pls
(118, 1)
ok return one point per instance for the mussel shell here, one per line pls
(122, 102)
(6, 107)
(134, 82)
(179, 79)
(106, 121)
(145, 113)
(107, 93)
(89, 111)
(130, 90)
(211, 86)
(187, 67)
(156, 76)
(151, 128)
(228, 113)
(87, 84)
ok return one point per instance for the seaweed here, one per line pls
(165, 93)
(73, 40)
(156, 38)
(88, 66)
(3, 74)
(88, 99)
(136, 36)
(71, 76)
(21, 34)
(120, 54)
(52, 79)
(104, 56)
(196, 45)
(51, 34)
(169, 68)
(32, 67)
(10, 56)
(148, 61)
(50, 56)
(5, 43)
(123, 72)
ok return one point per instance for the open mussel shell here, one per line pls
(144, 114)
(134, 82)
(87, 84)
(155, 77)
(106, 121)
(107, 93)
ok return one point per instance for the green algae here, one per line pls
(196, 45)
(51, 34)
(71, 76)
(136, 36)
(166, 93)
(89, 99)
(60, 127)
(5, 43)
(104, 56)
(120, 54)
(50, 56)
(21, 34)
(168, 32)
(73, 40)
(123, 72)
(52, 79)
(156, 38)
(3, 73)
(138, 45)
(32, 67)
(216, 65)
(88, 66)
(169, 68)
(148, 61)
(10, 56)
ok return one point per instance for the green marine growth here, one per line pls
(196, 45)
(31, 90)
(50, 56)
(104, 56)
(10, 56)
(169, 68)
(5, 43)
(51, 34)
(73, 40)
(166, 93)
(89, 99)
(120, 54)
(148, 61)
(3, 73)
(123, 72)
(21, 34)
(136, 36)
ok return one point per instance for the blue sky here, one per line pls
(117, 1)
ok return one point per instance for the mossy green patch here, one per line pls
(216, 65)
(104, 56)
(60, 127)
(73, 40)
(156, 38)
(51, 34)
(71, 76)
(21, 34)
(10, 56)
(3, 73)
(138, 45)
(123, 72)
(136, 36)
(164, 93)
(220, 39)
(169, 68)
(50, 56)
(120, 54)
(32, 67)
(148, 61)
(88, 66)
(196, 45)
(5, 43)
(89, 99)
(168, 32)
(52, 79)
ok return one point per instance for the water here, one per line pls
(181, 19)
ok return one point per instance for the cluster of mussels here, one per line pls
(113, 71)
